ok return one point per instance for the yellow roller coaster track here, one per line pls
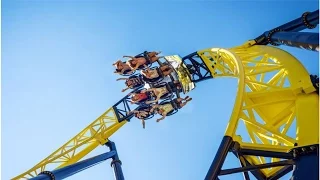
(274, 90)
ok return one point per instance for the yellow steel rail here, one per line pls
(97, 133)
(274, 90)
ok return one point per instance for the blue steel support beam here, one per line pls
(307, 20)
(116, 163)
(306, 163)
(70, 170)
(218, 160)
(299, 25)
(303, 40)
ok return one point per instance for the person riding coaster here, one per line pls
(122, 68)
(167, 108)
(133, 82)
(140, 96)
(142, 113)
(140, 62)
(175, 86)
(152, 95)
(152, 75)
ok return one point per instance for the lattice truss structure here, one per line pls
(270, 81)
(97, 133)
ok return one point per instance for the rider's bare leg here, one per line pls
(179, 100)
(183, 104)
(143, 123)
(186, 98)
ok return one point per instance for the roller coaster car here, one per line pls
(145, 108)
(184, 72)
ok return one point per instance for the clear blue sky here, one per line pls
(57, 78)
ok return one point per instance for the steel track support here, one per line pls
(72, 169)
(116, 163)
(308, 20)
(303, 40)
(304, 161)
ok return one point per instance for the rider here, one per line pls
(153, 56)
(157, 93)
(162, 71)
(140, 96)
(132, 82)
(135, 62)
(122, 68)
(164, 109)
(142, 114)
(175, 86)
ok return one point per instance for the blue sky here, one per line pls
(57, 78)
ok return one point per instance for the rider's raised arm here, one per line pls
(149, 90)
(123, 90)
(133, 111)
(128, 57)
(163, 116)
(121, 79)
